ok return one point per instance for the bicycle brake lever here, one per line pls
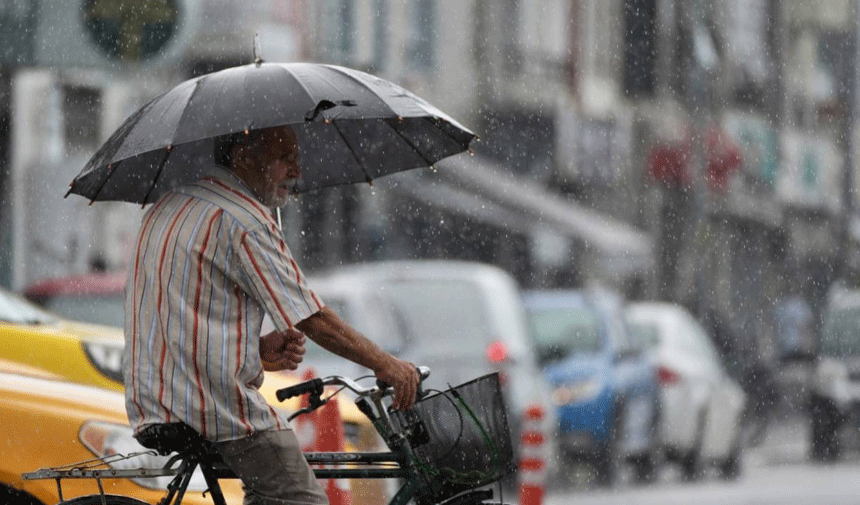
(315, 403)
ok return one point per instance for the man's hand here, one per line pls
(403, 377)
(282, 350)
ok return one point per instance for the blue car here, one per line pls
(604, 386)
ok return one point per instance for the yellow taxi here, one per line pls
(50, 422)
(92, 354)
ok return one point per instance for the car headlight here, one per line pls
(566, 394)
(108, 439)
(106, 357)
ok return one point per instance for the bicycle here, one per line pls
(446, 449)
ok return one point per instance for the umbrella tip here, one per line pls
(258, 52)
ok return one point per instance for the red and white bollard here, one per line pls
(532, 465)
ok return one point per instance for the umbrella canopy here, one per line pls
(351, 127)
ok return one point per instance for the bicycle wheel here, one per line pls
(96, 499)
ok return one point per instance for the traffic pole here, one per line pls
(330, 438)
(532, 463)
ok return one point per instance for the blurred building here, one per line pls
(686, 150)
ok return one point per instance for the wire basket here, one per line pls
(460, 438)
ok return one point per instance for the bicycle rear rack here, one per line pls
(99, 468)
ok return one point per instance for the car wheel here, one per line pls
(691, 462)
(645, 465)
(645, 468)
(608, 464)
(825, 423)
(10, 495)
(730, 468)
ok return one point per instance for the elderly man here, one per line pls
(210, 261)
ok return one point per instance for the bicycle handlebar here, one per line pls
(312, 386)
(316, 386)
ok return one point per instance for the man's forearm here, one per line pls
(329, 331)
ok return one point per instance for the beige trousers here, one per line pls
(272, 469)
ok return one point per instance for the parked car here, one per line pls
(702, 405)
(82, 352)
(51, 422)
(96, 297)
(835, 396)
(604, 386)
(462, 319)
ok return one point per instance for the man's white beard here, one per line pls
(276, 202)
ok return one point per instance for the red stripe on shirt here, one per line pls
(296, 270)
(316, 300)
(196, 332)
(265, 282)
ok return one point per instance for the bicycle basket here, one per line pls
(460, 437)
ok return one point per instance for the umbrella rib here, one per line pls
(167, 152)
(367, 176)
(411, 144)
(104, 182)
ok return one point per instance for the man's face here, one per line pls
(269, 165)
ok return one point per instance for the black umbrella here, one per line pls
(351, 126)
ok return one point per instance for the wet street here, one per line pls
(778, 471)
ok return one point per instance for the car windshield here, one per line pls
(560, 332)
(649, 334)
(465, 327)
(841, 333)
(16, 310)
(106, 310)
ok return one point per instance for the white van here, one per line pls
(461, 319)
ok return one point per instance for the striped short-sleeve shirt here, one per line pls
(209, 262)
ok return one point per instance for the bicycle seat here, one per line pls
(177, 437)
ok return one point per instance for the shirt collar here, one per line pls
(228, 177)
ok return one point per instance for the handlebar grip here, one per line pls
(312, 386)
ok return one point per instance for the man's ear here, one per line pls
(239, 155)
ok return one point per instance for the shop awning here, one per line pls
(441, 194)
(620, 244)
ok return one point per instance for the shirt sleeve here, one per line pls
(275, 280)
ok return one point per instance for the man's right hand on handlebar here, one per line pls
(328, 330)
(403, 377)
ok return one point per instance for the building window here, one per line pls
(511, 49)
(640, 47)
(82, 108)
(381, 35)
(422, 53)
(338, 22)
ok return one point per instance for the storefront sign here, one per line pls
(759, 146)
(811, 172)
